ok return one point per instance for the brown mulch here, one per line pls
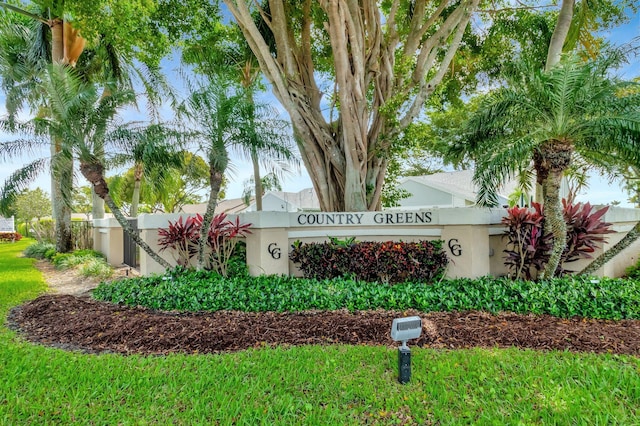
(70, 319)
(80, 323)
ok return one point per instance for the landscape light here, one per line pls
(403, 329)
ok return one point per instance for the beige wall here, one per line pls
(472, 237)
(108, 239)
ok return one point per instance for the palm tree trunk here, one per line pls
(554, 222)
(606, 256)
(97, 206)
(215, 181)
(135, 198)
(61, 187)
(94, 173)
(57, 41)
(60, 177)
(257, 180)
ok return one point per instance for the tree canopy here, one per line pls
(353, 75)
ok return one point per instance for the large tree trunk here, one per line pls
(61, 176)
(94, 173)
(57, 41)
(560, 32)
(216, 175)
(61, 189)
(346, 155)
(606, 256)
(97, 205)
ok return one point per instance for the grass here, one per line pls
(303, 385)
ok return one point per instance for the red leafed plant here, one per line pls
(386, 262)
(528, 247)
(183, 236)
(10, 236)
(585, 231)
(222, 239)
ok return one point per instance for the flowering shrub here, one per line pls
(182, 236)
(386, 262)
(10, 237)
(528, 247)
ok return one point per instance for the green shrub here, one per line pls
(39, 250)
(88, 262)
(371, 261)
(78, 257)
(64, 260)
(50, 254)
(89, 253)
(189, 290)
(95, 267)
(633, 271)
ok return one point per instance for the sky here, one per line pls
(599, 190)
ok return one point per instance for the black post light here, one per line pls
(403, 329)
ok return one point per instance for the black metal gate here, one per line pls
(130, 248)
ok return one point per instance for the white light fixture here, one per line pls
(403, 329)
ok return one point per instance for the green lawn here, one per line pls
(302, 385)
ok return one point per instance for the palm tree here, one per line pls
(572, 109)
(226, 121)
(148, 147)
(48, 37)
(80, 118)
(215, 111)
(26, 51)
(234, 61)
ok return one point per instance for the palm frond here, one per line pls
(506, 161)
(156, 88)
(21, 147)
(18, 181)
(620, 135)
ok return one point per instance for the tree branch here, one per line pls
(25, 13)
(426, 88)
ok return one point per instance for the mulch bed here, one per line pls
(87, 325)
